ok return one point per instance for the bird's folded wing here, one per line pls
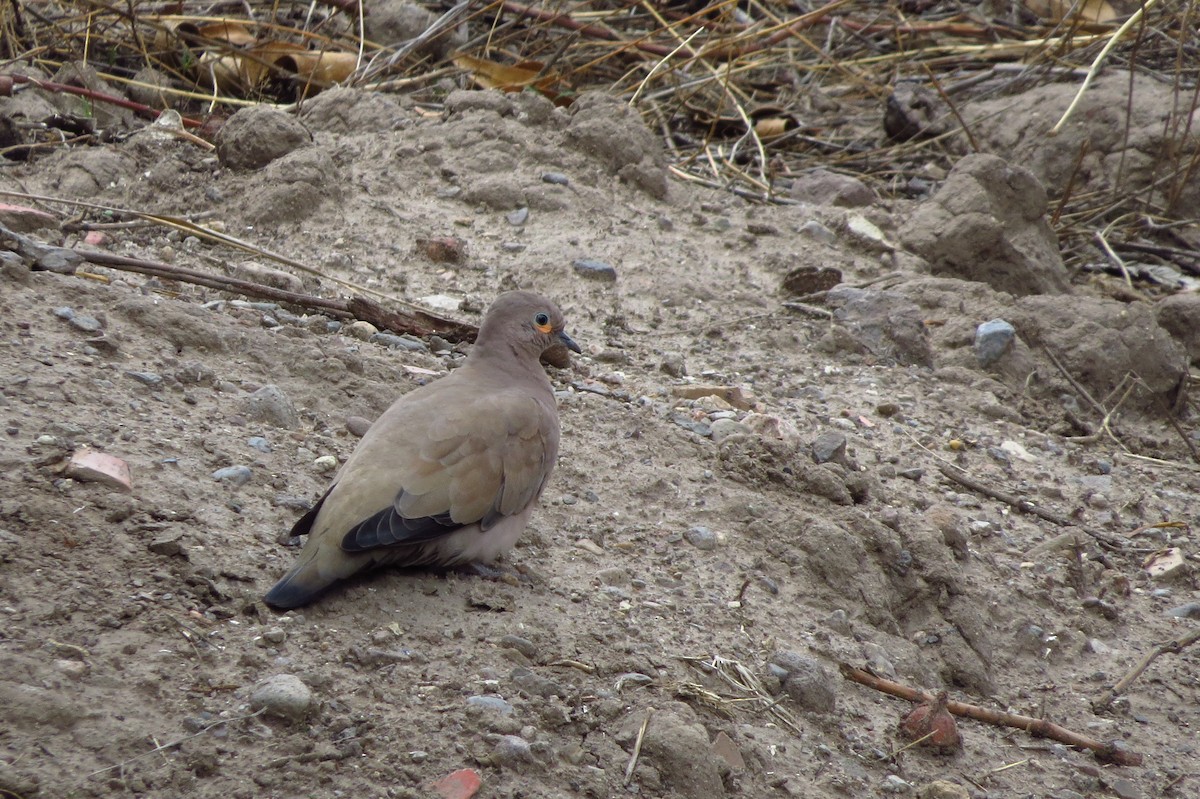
(471, 463)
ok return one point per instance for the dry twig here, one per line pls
(1106, 752)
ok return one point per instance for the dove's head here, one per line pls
(523, 323)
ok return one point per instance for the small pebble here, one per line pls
(830, 446)
(992, 340)
(702, 538)
(493, 704)
(1189, 611)
(896, 785)
(357, 426)
(361, 330)
(392, 341)
(259, 443)
(512, 751)
(283, 695)
(235, 475)
(595, 270)
(722, 428)
(556, 178)
(146, 378)
(518, 217)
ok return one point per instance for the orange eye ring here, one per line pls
(541, 322)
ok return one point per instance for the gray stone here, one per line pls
(721, 429)
(259, 443)
(357, 426)
(149, 379)
(88, 324)
(283, 695)
(702, 538)
(271, 405)
(823, 187)
(595, 270)
(234, 475)
(808, 683)
(392, 341)
(492, 704)
(993, 340)
(829, 446)
(1189, 611)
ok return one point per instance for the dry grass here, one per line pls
(742, 93)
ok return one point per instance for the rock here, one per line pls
(148, 379)
(1179, 315)
(325, 463)
(678, 747)
(259, 443)
(725, 749)
(829, 446)
(1167, 564)
(896, 785)
(167, 544)
(673, 364)
(822, 187)
(702, 538)
(1189, 611)
(90, 466)
(234, 475)
(361, 330)
(771, 426)
(594, 270)
(943, 789)
(255, 136)
(22, 219)
(883, 323)
(554, 178)
(357, 426)
(493, 704)
(987, 223)
(993, 340)
(271, 405)
(807, 682)
(721, 429)
(282, 695)
(513, 752)
(1124, 789)
(392, 341)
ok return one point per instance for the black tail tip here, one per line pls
(287, 595)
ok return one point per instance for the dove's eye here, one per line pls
(541, 321)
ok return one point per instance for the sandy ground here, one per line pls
(677, 533)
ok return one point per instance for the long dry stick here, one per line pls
(1106, 752)
(419, 323)
(1021, 504)
(1174, 646)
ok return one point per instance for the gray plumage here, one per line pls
(450, 473)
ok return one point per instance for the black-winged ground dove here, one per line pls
(450, 473)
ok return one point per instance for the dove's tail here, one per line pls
(320, 566)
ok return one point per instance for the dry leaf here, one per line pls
(514, 78)
(1092, 12)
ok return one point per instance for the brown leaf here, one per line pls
(515, 77)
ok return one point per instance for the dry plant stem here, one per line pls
(417, 323)
(62, 88)
(1095, 70)
(1174, 646)
(1116, 259)
(637, 747)
(1105, 752)
(937, 84)
(1021, 504)
(176, 742)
